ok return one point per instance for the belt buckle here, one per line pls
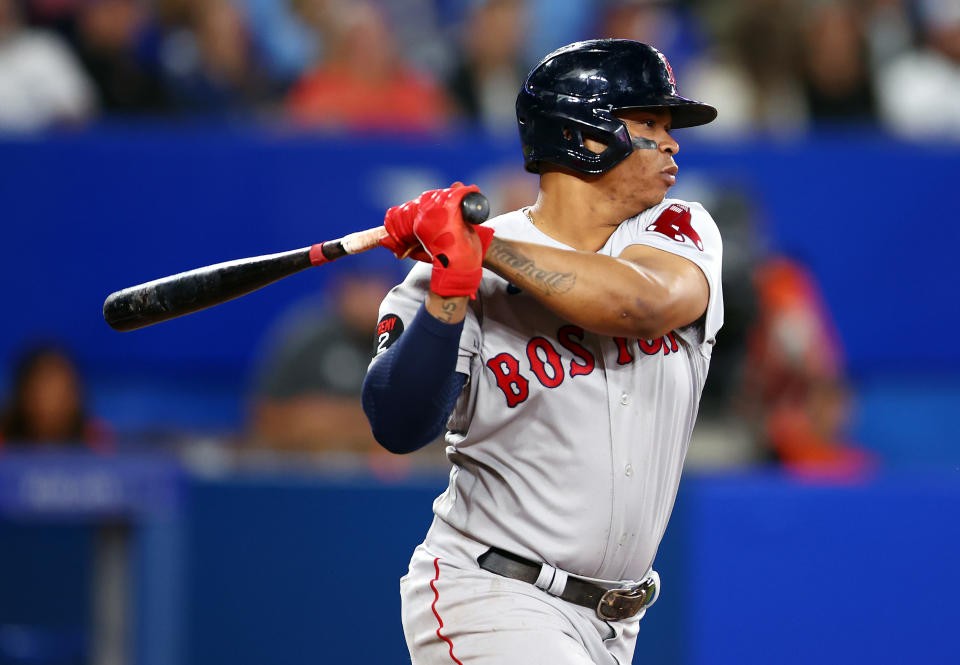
(617, 604)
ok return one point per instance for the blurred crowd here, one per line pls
(771, 66)
(780, 67)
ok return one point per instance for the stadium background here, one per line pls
(187, 543)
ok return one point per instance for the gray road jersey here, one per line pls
(567, 446)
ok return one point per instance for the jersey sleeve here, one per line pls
(401, 305)
(687, 230)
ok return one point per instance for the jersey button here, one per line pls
(624, 398)
(628, 470)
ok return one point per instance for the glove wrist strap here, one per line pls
(449, 282)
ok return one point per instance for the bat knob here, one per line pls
(475, 208)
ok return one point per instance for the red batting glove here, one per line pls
(457, 248)
(398, 222)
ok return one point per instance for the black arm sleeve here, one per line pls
(411, 389)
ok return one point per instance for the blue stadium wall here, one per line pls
(287, 569)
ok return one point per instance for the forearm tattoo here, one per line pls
(515, 262)
(447, 310)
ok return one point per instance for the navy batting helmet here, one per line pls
(573, 94)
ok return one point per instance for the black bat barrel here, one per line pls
(187, 292)
(191, 291)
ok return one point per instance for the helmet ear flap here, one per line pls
(578, 139)
(574, 140)
(562, 140)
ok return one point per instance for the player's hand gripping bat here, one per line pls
(186, 292)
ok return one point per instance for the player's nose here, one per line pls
(669, 145)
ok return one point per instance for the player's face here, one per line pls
(643, 178)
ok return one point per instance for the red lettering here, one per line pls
(566, 338)
(651, 346)
(537, 365)
(624, 357)
(666, 343)
(673, 343)
(506, 369)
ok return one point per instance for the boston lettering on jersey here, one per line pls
(667, 343)
(546, 363)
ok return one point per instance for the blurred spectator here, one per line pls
(554, 24)
(920, 90)
(364, 83)
(733, 204)
(649, 21)
(795, 387)
(753, 66)
(41, 82)
(417, 27)
(211, 64)
(118, 45)
(489, 72)
(286, 44)
(308, 393)
(724, 438)
(56, 15)
(47, 403)
(836, 72)
(171, 13)
(888, 30)
(660, 23)
(320, 16)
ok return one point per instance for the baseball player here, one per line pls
(563, 349)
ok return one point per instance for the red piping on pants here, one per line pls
(436, 597)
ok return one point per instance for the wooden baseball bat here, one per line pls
(187, 292)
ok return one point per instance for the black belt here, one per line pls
(610, 604)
